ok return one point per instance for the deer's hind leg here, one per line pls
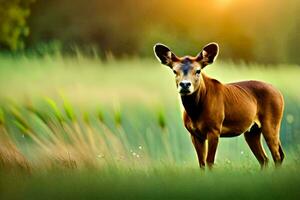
(270, 116)
(271, 135)
(253, 138)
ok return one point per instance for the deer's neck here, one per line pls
(193, 103)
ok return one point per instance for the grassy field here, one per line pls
(83, 128)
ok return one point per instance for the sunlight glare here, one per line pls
(223, 3)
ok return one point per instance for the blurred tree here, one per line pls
(13, 26)
(249, 30)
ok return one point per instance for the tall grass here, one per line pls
(60, 137)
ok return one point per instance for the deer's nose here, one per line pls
(185, 84)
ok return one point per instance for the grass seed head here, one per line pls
(22, 127)
(161, 118)
(69, 111)
(2, 118)
(118, 117)
(38, 114)
(100, 116)
(55, 109)
(20, 120)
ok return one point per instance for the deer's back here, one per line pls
(249, 102)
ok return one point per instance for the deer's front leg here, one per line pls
(200, 146)
(213, 139)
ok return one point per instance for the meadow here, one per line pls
(82, 127)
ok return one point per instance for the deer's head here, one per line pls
(187, 69)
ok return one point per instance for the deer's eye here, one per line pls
(198, 71)
(175, 72)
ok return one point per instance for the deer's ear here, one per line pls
(208, 54)
(164, 55)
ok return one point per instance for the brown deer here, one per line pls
(213, 110)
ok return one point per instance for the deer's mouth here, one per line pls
(183, 91)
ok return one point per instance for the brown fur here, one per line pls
(225, 110)
(213, 110)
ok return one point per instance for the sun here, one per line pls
(223, 3)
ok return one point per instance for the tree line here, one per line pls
(249, 30)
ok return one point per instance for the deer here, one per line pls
(212, 110)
